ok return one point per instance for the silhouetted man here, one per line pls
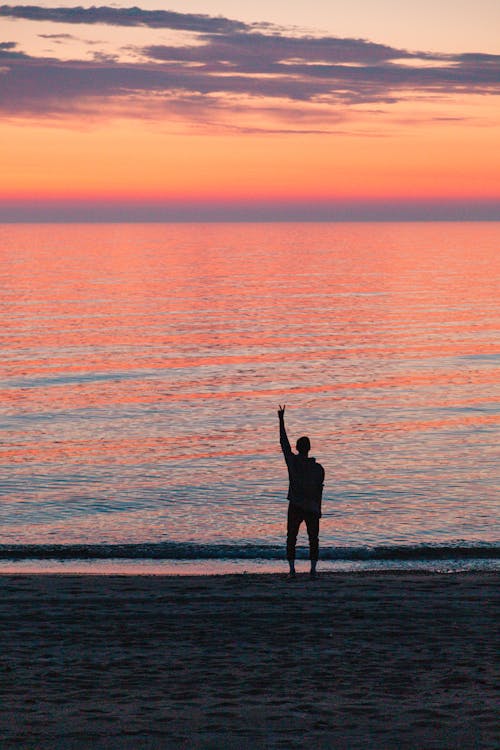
(304, 495)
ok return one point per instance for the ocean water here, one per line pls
(142, 366)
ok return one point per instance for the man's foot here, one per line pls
(291, 576)
(313, 575)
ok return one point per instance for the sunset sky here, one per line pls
(216, 109)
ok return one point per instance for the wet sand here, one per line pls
(249, 661)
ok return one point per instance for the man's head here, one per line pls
(303, 445)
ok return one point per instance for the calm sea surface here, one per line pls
(142, 365)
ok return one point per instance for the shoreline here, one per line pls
(352, 661)
(138, 567)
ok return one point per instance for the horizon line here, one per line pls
(30, 211)
(367, 220)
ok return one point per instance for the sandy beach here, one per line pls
(249, 661)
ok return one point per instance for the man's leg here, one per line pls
(312, 523)
(295, 518)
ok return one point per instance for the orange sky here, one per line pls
(133, 160)
(438, 140)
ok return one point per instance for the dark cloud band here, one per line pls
(155, 19)
(230, 63)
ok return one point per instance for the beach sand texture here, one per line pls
(249, 661)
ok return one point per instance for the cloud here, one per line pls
(154, 19)
(56, 36)
(9, 52)
(254, 50)
(301, 83)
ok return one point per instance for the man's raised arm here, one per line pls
(284, 442)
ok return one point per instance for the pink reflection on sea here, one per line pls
(142, 365)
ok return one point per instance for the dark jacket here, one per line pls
(306, 477)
